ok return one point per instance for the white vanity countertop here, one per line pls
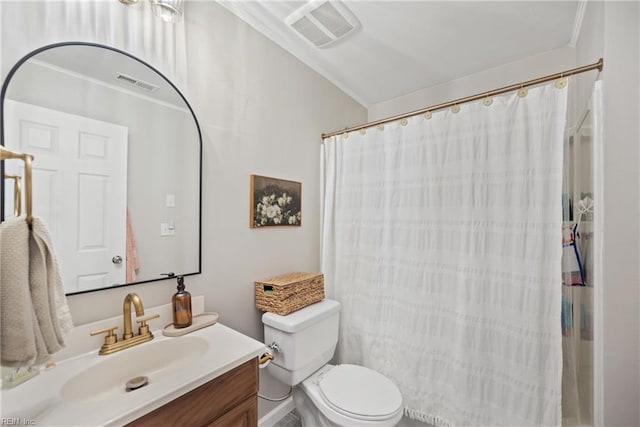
(39, 401)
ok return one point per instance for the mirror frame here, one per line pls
(5, 85)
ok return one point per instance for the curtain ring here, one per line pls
(562, 82)
(522, 92)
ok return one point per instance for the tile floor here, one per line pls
(292, 419)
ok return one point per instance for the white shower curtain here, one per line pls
(441, 239)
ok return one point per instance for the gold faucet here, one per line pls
(126, 313)
(111, 343)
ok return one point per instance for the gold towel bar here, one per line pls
(17, 193)
(6, 154)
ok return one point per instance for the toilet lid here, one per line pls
(360, 392)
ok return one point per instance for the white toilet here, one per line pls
(327, 395)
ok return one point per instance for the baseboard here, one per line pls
(272, 417)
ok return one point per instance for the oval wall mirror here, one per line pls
(117, 167)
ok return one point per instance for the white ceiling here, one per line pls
(103, 65)
(404, 46)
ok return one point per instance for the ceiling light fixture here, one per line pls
(167, 10)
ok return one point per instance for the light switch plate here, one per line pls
(167, 229)
(170, 200)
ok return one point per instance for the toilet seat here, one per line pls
(360, 393)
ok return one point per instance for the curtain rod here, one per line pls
(597, 65)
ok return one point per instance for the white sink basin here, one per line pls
(154, 360)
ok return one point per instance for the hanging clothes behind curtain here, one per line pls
(578, 276)
(441, 241)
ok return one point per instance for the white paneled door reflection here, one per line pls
(79, 189)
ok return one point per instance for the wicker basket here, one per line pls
(290, 292)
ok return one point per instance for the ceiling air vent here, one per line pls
(136, 82)
(323, 23)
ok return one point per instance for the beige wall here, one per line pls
(621, 287)
(611, 30)
(511, 73)
(261, 111)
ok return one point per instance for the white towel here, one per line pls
(17, 338)
(35, 315)
(45, 279)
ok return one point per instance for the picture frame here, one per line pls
(275, 202)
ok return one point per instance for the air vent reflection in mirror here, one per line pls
(141, 84)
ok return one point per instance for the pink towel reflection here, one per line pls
(133, 263)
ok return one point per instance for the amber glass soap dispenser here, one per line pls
(181, 302)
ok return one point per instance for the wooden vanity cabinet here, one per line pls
(230, 400)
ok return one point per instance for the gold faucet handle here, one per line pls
(110, 338)
(144, 328)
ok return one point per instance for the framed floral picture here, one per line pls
(275, 202)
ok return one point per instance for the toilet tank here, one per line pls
(307, 339)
